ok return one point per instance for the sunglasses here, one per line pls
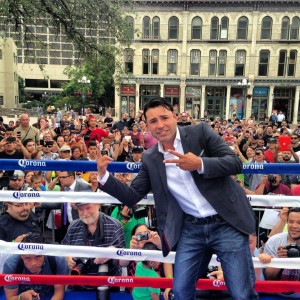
(258, 153)
(294, 138)
(20, 204)
(63, 177)
(66, 151)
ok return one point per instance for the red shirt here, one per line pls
(269, 156)
(96, 134)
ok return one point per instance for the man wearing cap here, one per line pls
(271, 152)
(65, 152)
(94, 228)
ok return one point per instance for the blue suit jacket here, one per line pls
(220, 190)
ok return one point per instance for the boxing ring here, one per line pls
(130, 254)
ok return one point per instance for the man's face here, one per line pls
(293, 224)
(269, 130)
(19, 211)
(16, 184)
(66, 132)
(294, 140)
(92, 150)
(136, 156)
(30, 146)
(33, 263)
(66, 154)
(24, 119)
(286, 155)
(9, 147)
(277, 180)
(89, 213)
(125, 117)
(162, 124)
(65, 179)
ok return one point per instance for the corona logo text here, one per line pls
(23, 247)
(133, 166)
(11, 278)
(31, 163)
(123, 252)
(19, 195)
(114, 280)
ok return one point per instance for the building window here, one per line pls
(292, 63)
(240, 61)
(146, 28)
(130, 24)
(172, 62)
(281, 63)
(155, 60)
(285, 26)
(242, 28)
(222, 62)
(295, 29)
(1, 100)
(173, 28)
(195, 62)
(214, 28)
(212, 62)
(224, 28)
(128, 59)
(287, 64)
(266, 28)
(156, 26)
(146, 61)
(196, 28)
(263, 67)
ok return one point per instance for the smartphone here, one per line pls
(104, 152)
(48, 143)
(284, 143)
(263, 237)
(127, 137)
(11, 139)
(42, 142)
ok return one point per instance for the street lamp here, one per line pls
(85, 82)
(245, 84)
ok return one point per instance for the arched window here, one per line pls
(128, 60)
(155, 61)
(195, 62)
(285, 27)
(172, 62)
(212, 62)
(146, 28)
(224, 28)
(214, 28)
(242, 28)
(266, 28)
(146, 61)
(295, 29)
(196, 28)
(240, 61)
(130, 23)
(173, 28)
(156, 27)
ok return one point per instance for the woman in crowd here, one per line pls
(149, 140)
(136, 135)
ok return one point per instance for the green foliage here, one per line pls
(104, 23)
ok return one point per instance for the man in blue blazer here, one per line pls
(200, 209)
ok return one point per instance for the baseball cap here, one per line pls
(272, 140)
(65, 148)
(17, 174)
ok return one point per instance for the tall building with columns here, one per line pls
(222, 59)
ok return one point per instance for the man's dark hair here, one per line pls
(25, 142)
(159, 101)
(92, 143)
(33, 237)
(148, 246)
(9, 129)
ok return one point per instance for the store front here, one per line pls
(128, 93)
(172, 94)
(215, 102)
(260, 103)
(283, 101)
(193, 101)
(148, 92)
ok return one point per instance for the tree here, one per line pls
(93, 26)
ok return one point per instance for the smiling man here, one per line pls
(199, 206)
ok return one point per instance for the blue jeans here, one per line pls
(200, 238)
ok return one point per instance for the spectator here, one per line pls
(185, 119)
(125, 121)
(268, 134)
(276, 246)
(65, 152)
(35, 264)
(255, 179)
(16, 182)
(26, 131)
(31, 147)
(147, 269)
(271, 185)
(94, 228)
(123, 148)
(136, 135)
(149, 139)
(271, 152)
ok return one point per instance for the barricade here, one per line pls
(21, 248)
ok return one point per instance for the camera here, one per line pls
(142, 236)
(11, 139)
(48, 143)
(211, 269)
(80, 267)
(293, 250)
(271, 178)
(171, 295)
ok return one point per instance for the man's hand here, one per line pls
(19, 238)
(282, 252)
(187, 162)
(71, 263)
(102, 162)
(102, 260)
(29, 295)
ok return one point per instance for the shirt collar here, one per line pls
(72, 186)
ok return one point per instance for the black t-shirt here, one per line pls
(184, 123)
(11, 228)
(16, 155)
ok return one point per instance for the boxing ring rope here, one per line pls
(131, 254)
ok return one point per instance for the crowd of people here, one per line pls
(68, 136)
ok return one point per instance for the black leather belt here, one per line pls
(195, 220)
